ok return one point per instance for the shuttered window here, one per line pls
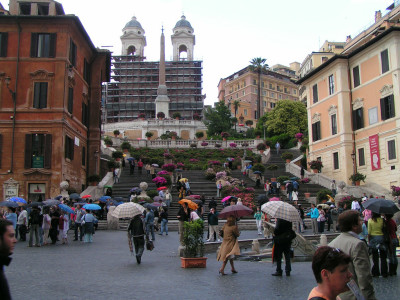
(315, 93)
(387, 108)
(40, 95)
(3, 44)
(316, 131)
(385, 61)
(69, 148)
(358, 118)
(43, 45)
(38, 151)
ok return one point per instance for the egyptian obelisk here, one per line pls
(162, 100)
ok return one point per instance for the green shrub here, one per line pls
(258, 167)
(322, 195)
(287, 155)
(116, 132)
(152, 193)
(281, 179)
(193, 238)
(117, 154)
(126, 145)
(358, 177)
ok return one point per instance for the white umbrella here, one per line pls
(281, 210)
(127, 210)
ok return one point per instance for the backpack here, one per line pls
(35, 217)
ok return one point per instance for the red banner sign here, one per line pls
(374, 151)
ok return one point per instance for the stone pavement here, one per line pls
(106, 270)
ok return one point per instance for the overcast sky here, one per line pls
(229, 33)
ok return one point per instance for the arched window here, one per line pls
(131, 50)
(182, 52)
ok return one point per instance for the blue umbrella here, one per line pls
(104, 198)
(119, 199)
(149, 206)
(92, 207)
(66, 208)
(8, 204)
(58, 197)
(130, 158)
(74, 196)
(17, 199)
(257, 172)
(80, 203)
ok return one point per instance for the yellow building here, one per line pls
(353, 107)
(243, 85)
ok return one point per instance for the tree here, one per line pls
(217, 119)
(287, 117)
(258, 65)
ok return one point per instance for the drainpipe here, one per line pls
(353, 135)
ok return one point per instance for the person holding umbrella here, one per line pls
(283, 236)
(230, 245)
(392, 245)
(87, 222)
(183, 216)
(136, 231)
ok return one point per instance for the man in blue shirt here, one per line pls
(149, 221)
(314, 213)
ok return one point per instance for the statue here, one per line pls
(340, 192)
(64, 185)
(143, 194)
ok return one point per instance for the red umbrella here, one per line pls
(162, 188)
(228, 197)
(235, 210)
(86, 196)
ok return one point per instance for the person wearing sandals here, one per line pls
(230, 245)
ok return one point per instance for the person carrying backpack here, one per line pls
(34, 222)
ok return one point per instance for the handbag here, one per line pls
(149, 244)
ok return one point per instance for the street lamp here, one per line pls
(353, 157)
(14, 99)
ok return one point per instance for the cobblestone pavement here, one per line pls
(106, 270)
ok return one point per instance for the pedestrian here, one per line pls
(277, 147)
(267, 188)
(152, 172)
(301, 213)
(302, 172)
(88, 221)
(283, 236)
(289, 190)
(168, 198)
(123, 162)
(115, 176)
(314, 213)
(258, 181)
(8, 241)
(212, 204)
(55, 216)
(147, 168)
(295, 196)
(22, 223)
(392, 244)
(140, 166)
(334, 216)
(321, 219)
(331, 271)
(183, 216)
(328, 217)
(35, 220)
(212, 225)
(219, 188)
(12, 216)
(377, 245)
(46, 225)
(230, 246)
(131, 166)
(164, 221)
(78, 222)
(258, 216)
(355, 205)
(149, 222)
(187, 188)
(136, 232)
(350, 225)
(333, 188)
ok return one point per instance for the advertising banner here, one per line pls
(374, 151)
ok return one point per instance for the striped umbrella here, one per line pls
(127, 210)
(281, 210)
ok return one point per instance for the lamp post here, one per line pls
(14, 99)
(353, 157)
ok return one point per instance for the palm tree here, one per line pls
(258, 65)
(236, 105)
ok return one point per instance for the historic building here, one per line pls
(243, 85)
(353, 106)
(50, 100)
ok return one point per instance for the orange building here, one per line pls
(50, 96)
(353, 108)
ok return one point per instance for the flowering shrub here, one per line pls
(159, 180)
(246, 194)
(168, 155)
(196, 116)
(347, 200)
(204, 144)
(193, 160)
(210, 174)
(395, 190)
(232, 145)
(219, 175)
(305, 180)
(214, 163)
(169, 167)
(224, 134)
(160, 115)
(162, 173)
(299, 135)
(180, 165)
(315, 164)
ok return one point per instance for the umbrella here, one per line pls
(118, 199)
(17, 199)
(324, 206)
(127, 210)
(80, 203)
(330, 199)
(281, 210)
(66, 208)
(135, 190)
(274, 199)
(92, 207)
(104, 198)
(178, 170)
(161, 188)
(261, 199)
(190, 197)
(155, 165)
(191, 204)
(130, 158)
(8, 204)
(287, 181)
(257, 172)
(51, 202)
(74, 196)
(235, 210)
(228, 198)
(197, 201)
(157, 198)
(108, 187)
(59, 197)
(381, 206)
(86, 196)
(150, 206)
(35, 204)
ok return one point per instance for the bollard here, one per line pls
(255, 246)
(323, 240)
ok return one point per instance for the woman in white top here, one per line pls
(46, 227)
(65, 229)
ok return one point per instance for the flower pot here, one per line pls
(315, 170)
(288, 161)
(307, 195)
(148, 138)
(195, 262)
(224, 139)
(239, 167)
(357, 183)
(257, 137)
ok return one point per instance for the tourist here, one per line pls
(78, 225)
(12, 216)
(22, 223)
(219, 188)
(334, 217)
(140, 166)
(331, 270)
(87, 222)
(350, 226)
(136, 231)
(302, 172)
(164, 221)
(55, 216)
(289, 190)
(46, 225)
(392, 245)
(115, 176)
(8, 241)
(212, 225)
(377, 245)
(212, 204)
(355, 205)
(258, 216)
(277, 147)
(230, 245)
(333, 188)
(64, 232)
(283, 236)
(168, 198)
(149, 222)
(314, 213)
(35, 220)
(183, 216)
(302, 226)
(131, 166)
(321, 219)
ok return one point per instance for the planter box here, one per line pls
(195, 262)
(307, 195)
(315, 170)
(288, 161)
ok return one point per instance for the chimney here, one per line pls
(378, 16)
(348, 39)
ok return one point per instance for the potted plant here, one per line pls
(169, 167)
(287, 156)
(116, 132)
(322, 195)
(108, 141)
(257, 133)
(94, 179)
(299, 136)
(193, 145)
(148, 134)
(126, 146)
(142, 116)
(196, 117)
(176, 115)
(193, 253)
(315, 165)
(272, 168)
(395, 190)
(117, 155)
(160, 115)
(233, 145)
(258, 167)
(199, 134)
(357, 177)
(224, 135)
(261, 147)
(204, 144)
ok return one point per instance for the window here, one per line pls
(280, 97)
(271, 87)
(40, 95)
(3, 44)
(356, 76)
(361, 157)
(278, 88)
(335, 160)
(83, 156)
(316, 131)
(254, 81)
(69, 148)
(331, 84)
(255, 114)
(264, 103)
(245, 112)
(262, 84)
(272, 95)
(286, 90)
(387, 107)
(38, 151)
(272, 104)
(243, 93)
(294, 92)
(264, 93)
(43, 9)
(358, 119)
(324, 59)
(315, 93)
(333, 124)
(25, 9)
(385, 61)
(391, 146)
(70, 100)
(72, 53)
(43, 44)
